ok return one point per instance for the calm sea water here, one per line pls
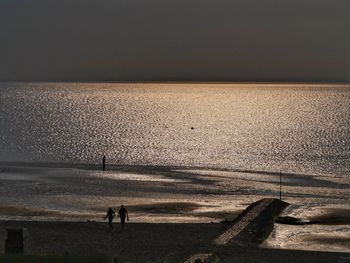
(290, 128)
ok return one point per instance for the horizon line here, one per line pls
(182, 81)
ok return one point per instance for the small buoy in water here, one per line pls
(192, 128)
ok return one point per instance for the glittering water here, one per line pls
(178, 153)
(293, 128)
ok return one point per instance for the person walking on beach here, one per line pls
(103, 163)
(123, 213)
(110, 215)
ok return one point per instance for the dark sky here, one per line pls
(233, 40)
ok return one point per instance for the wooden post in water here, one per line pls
(104, 163)
(280, 185)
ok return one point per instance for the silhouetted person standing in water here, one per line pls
(123, 213)
(104, 163)
(110, 215)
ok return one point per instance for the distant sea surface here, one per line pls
(290, 128)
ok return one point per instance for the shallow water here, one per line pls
(289, 128)
(178, 194)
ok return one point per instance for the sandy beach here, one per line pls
(148, 243)
(231, 241)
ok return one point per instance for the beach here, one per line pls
(238, 240)
(141, 242)
(179, 195)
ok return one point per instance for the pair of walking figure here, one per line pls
(123, 214)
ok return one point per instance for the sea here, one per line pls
(179, 152)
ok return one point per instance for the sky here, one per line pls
(178, 40)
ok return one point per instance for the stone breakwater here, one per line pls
(250, 228)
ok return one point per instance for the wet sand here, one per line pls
(179, 195)
(333, 216)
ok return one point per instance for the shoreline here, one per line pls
(178, 195)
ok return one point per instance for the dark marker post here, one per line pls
(104, 163)
(280, 185)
